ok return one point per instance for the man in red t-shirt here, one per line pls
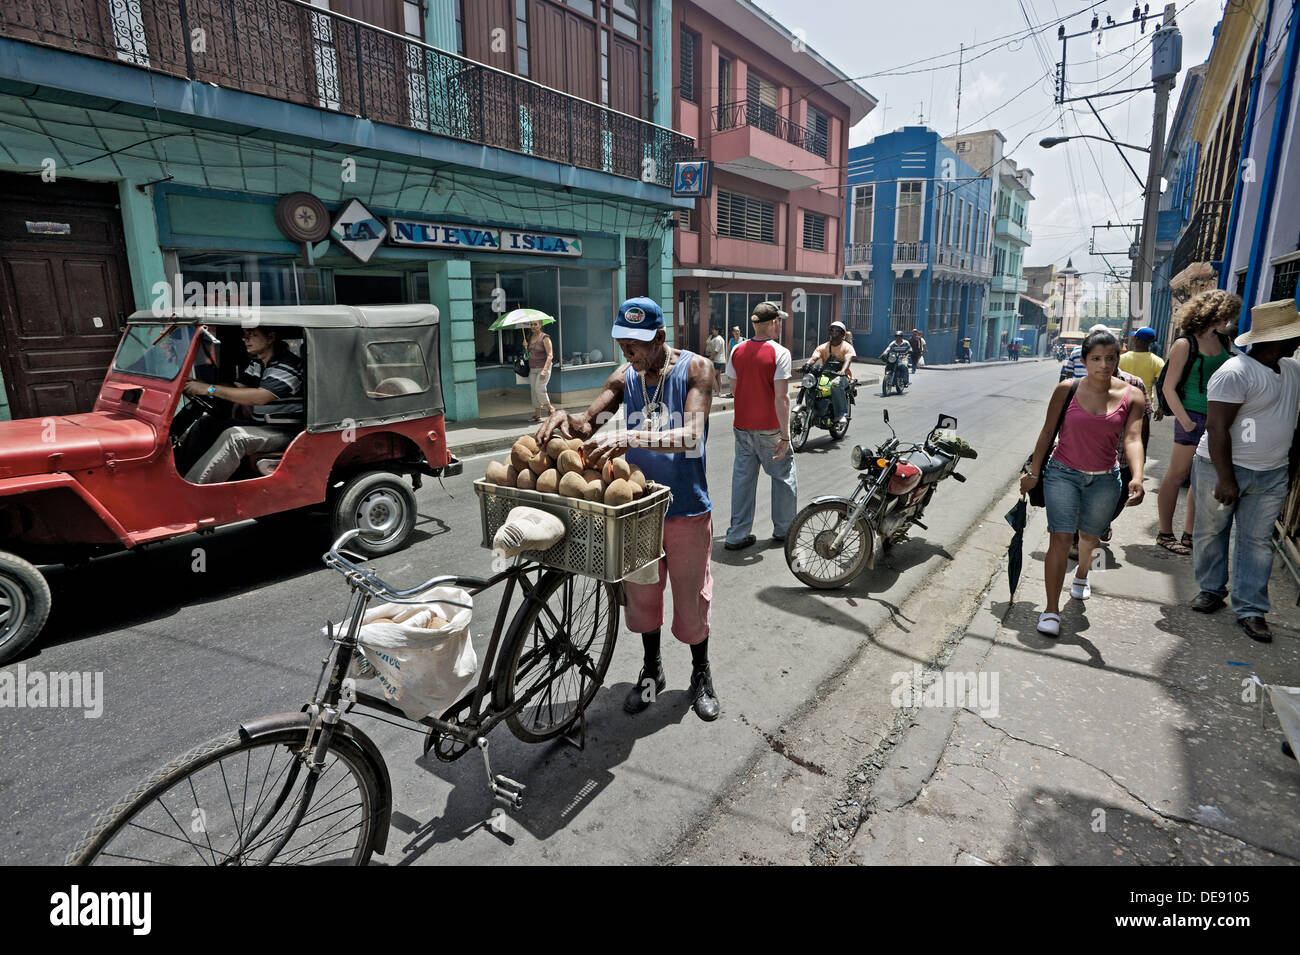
(760, 371)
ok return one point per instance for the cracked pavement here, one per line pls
(1132, 739)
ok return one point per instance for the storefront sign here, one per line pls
(359, 232)
(49, 228)
(438, 235)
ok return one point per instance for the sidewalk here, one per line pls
(503, 416)
(1134, 738)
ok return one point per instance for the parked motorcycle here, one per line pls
(895, 375)
(813, 407)
(834, 539)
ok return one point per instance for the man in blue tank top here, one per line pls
(666, 394)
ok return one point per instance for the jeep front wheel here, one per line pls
(380, 505)
(24, 605)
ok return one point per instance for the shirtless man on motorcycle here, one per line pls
(837, 355)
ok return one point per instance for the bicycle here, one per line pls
(539, 677)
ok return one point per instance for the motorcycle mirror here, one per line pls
(885, 412)
(946, 423)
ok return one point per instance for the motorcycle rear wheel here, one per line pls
(806, 546)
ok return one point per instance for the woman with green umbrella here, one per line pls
(540, 355)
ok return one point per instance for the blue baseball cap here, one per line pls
(638, 319)
(1146, 333)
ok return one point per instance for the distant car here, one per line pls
(78, 486)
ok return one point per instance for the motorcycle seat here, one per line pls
(932, 465)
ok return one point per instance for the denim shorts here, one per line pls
(1077, 501)
(1192, 437)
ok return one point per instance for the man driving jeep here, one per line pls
(267, 414)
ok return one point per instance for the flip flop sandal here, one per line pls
(1049, 624)
(1187, 541)
(1171, 544)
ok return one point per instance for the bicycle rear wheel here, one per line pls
(232, 800)
(556, 654)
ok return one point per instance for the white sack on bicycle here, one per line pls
(423, 661)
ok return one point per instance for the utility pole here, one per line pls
(961, 52)
(1166, 61)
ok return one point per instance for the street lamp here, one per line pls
(1051, 141)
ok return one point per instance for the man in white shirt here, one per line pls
(716, 350)
(1243, 465)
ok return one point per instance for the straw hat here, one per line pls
(1272, 322)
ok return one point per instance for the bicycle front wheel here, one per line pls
(241, 801)
(556, 654)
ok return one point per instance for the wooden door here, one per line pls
(65, 289)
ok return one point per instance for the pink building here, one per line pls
(774, 117)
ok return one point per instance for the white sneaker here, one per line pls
(1050, 624)
(1079, 589)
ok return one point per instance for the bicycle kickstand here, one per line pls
(577, 734)
(505, 790)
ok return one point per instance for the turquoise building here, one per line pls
(147, 144)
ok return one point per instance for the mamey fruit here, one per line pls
(522, 453)
(434, 622)
(556, 446)
(616, 469)
(595, 490)
(618, 492)
(548, 482)
(572, 485)
(575, 444)
(498, 473)
(512, 475)
(569, 460)
(591, 474)
(539, 463)
(638, 478)
(526, 481)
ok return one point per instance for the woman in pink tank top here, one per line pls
(1080, 475)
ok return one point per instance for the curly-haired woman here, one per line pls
(1204, 317)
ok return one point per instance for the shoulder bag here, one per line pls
(1036, 492)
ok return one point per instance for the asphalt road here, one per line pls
(186, 655)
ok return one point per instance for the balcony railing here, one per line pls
(756, 114)
(857, 254)
(1203, 239)
(916, 253)
(293, 51)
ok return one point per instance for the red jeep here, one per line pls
(78, 486)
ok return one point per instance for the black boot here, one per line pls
(641, 695)
(703, 700)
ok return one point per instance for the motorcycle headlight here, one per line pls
(860, 457)
(809, 380)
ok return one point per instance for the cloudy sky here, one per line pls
(1007, 84)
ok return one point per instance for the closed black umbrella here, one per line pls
(1017, 518)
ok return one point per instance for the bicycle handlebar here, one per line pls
(370, 582)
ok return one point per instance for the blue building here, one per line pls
(1177, 204)
(919, 239)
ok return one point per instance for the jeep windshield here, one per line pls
(155, 351)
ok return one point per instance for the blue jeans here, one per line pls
(1260, 498)
(840, 397)
(1077, 501)
(754, 450)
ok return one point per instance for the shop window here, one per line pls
(273, 279)
(1284, 280)
(519, 288)
(857, 307)
(394, 368)
(587, 308)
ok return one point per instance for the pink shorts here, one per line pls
(688, 548)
